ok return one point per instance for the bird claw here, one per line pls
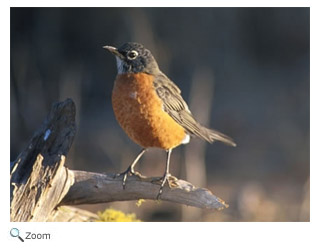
(125, 174)
(171, 180)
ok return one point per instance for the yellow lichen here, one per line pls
(112, 215)
(139, 202)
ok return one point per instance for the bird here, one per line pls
(150, 108)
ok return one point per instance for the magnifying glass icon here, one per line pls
(14, 232)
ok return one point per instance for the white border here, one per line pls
(165, 234)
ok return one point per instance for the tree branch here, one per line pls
(89, 188)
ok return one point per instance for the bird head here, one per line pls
(133, 58)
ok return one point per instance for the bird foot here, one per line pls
(171, 180)
(125, 174)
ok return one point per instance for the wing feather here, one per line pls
(177, 108)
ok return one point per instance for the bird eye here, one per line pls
(132, 54)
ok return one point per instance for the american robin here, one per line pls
(150, 108)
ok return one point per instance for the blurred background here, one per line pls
(243, 71)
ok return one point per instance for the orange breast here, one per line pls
(138, 109)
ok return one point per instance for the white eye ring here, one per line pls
(132, 54)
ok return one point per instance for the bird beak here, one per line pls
(114, 51)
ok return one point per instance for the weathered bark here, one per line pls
(39, 179)
(41, 184)
(92, 187)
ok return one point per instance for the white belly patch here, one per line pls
(186, 139)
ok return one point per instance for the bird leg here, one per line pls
(130, 170)
(166, 175)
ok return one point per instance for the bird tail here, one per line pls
(212, 135)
